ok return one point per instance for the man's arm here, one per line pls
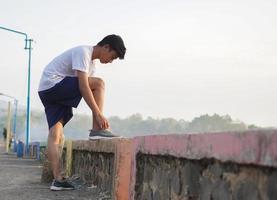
(89, 99)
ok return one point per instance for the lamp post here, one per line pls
(14, 118)
(28, 46)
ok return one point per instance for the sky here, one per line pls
(184, 58)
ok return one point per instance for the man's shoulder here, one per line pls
(84, 50)
(82, 47)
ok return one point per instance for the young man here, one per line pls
(65, 80)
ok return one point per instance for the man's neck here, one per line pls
(95, 52)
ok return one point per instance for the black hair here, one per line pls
(116, 43)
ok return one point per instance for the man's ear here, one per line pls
(107, 46)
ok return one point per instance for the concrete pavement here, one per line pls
(20, 180)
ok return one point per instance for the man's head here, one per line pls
(112, 47)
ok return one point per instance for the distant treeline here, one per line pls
(134, 125)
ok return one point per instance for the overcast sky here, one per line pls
(184, 57)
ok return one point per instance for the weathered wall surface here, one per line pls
(167, 177)
(207, 166)
(105, 164)
(96, 169)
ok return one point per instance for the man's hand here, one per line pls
(102, 121)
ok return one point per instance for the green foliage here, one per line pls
(215, 122)
(252, 126)
(136, 125)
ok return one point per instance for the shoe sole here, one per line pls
(54, 188)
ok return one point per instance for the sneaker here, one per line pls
(61, 185)
(101, 134)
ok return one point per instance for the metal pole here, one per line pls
(28, 97)
(28, 44)
(14, 31)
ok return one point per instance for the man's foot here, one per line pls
(101, 134)
(61, 185)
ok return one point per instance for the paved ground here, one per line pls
(20, 180)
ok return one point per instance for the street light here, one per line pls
(28, 46)
(14, 118)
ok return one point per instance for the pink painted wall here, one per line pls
(257, 147)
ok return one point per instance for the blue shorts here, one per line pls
(59, 100)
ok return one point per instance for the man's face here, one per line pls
(107, 55)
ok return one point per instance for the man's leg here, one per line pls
(97, 87)
(54, 139)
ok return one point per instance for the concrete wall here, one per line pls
(207, 166)
(167, 177)
(105, 164)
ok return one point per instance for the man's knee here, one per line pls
(56, 131)
(54, 135)
(96, 83)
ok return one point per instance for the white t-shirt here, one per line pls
(66, 64)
